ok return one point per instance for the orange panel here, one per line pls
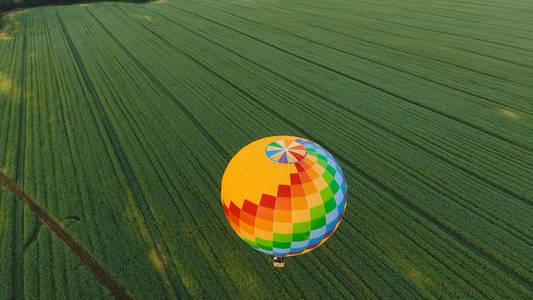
(282, 216)
(299, 203)
(263, 224)
(283, 203)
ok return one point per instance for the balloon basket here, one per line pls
(279, 261)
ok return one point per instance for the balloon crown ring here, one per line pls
(285, 152)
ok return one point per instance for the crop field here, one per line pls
(118, 120)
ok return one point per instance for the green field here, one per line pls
(119, 120)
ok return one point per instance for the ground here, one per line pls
(119, 119)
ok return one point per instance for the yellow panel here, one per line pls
(320, 184)
(265, 235)
(285, 176)
(259, 181)
(280, 227)
(318, 168)
(237, 170)
(271, 185)
(248, 236)
(238, 186)
(301, 215)
(314, 200)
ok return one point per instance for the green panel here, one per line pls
(327, 177)
(322, 163)
(280, 245)
(330, 205)
(301, 227)
(325, 194)
(264, 244)
(300, 237)
(281, 237)
(318, 223)
(317, 212)
(334, 187)
(331, 170)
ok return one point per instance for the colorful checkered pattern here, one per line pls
(284, 195)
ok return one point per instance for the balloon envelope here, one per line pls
(283, 195)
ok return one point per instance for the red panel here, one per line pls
(284, 190)
(249, 207)
(234, 210)
(299, 167)
(268, 201)
(226, 211)
(295, 179)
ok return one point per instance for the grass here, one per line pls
(119, 119)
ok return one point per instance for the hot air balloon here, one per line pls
(283, 195)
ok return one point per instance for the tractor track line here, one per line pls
(84, 258)
(494, 27)
(463, 12)
(66, 121)
(459, 48)
(455, 35)
(426, 13)
(139, 197)
(486, 16)
(18, 227)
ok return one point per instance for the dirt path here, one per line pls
(85, 259)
